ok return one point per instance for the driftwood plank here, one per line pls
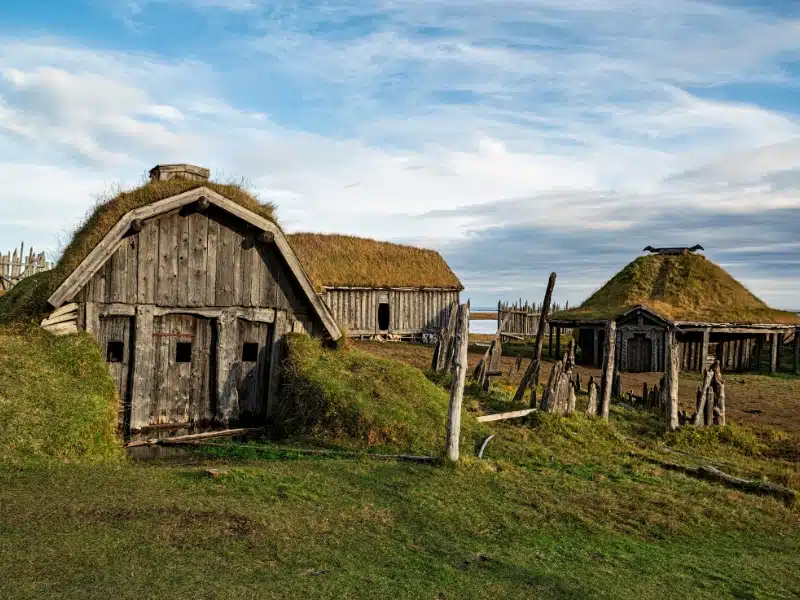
(514, 414)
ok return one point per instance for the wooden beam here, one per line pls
(276, 356)
(142, 381)
(774, 353)
(607, 380)
(514, 414)
(531, 376)
(203, 204)
(457, 389)
(266, 237)
(137, 225)
(671, 378)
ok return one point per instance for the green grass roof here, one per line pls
(683, 287)
(348, 261)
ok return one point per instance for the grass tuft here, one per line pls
(353, 399)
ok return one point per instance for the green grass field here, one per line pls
(559, 508)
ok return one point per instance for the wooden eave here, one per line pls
(109, 244)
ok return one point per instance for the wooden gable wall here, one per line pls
(197, 259)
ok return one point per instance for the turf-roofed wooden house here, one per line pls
(713, 315)
(189, 287)
(375, 288)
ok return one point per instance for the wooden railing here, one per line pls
(16, 266)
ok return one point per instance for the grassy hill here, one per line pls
(684, 287)
(57, 399)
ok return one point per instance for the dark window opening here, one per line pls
(383, 316)
(183, 352)
(249, 352)
(114, 352)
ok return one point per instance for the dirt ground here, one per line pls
(764, 400)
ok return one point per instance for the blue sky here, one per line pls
(515, 136)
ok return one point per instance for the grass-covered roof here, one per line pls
(29, 298)
(683, 287)
(347, 261)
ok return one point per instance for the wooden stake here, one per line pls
(531, 377)
(672, 375)
(702, 392)
(457, 391)
(607, 381)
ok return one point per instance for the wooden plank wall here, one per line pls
(197, 259)
(410, 311)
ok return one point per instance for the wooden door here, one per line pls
(116, 344)
(254, 352)
(640, 353)
(182, 370)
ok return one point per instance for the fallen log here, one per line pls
(180, 439)
(709, 473)
(514, 414)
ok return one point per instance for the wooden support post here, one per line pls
(759, 350)
(558, 342)
(457, 390)
(704, 349)
(718, 385)
(550, 344)
(607, 381)
(227, 345)
(279, 331)
(671, 379)
(142, 381)
(796, 354)
(595, 348)
(773, 360)
(591, 409)
(702, 397)
(531, 377)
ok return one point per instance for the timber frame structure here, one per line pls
(190, 298)
(641, 340)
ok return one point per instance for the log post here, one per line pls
(796, 355)
(702, 393)
(704, 349)
(457, 390)
(671, 378)
(558, 341)
(607, 381)
(550, 344)
(591, 409)
(595, 349)
(531, 376)
(577, 383)
(773, 360)
(718, 385)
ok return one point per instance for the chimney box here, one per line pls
(181, 171)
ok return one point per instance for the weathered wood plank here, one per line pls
(184, 251)
(276, 356)
(167, 284)
(515, 414)
(147, 273)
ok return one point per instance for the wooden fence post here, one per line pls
(531, 377)
(457, 390)
(671, 380)
(607, 380)
(773, 360)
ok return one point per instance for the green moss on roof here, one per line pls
(28, 299)
(683, 287)
(347, 261)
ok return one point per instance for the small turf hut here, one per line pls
(375, 288)
(189, 287)
(713, 315)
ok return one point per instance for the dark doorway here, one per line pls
(383, 316)
(640, 353)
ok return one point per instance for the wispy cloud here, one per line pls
(516, 135)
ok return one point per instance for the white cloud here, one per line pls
(567, 116)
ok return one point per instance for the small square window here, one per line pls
(249, 352)
(183, 352)
(114, 352)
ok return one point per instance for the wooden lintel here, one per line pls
(117, 310)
